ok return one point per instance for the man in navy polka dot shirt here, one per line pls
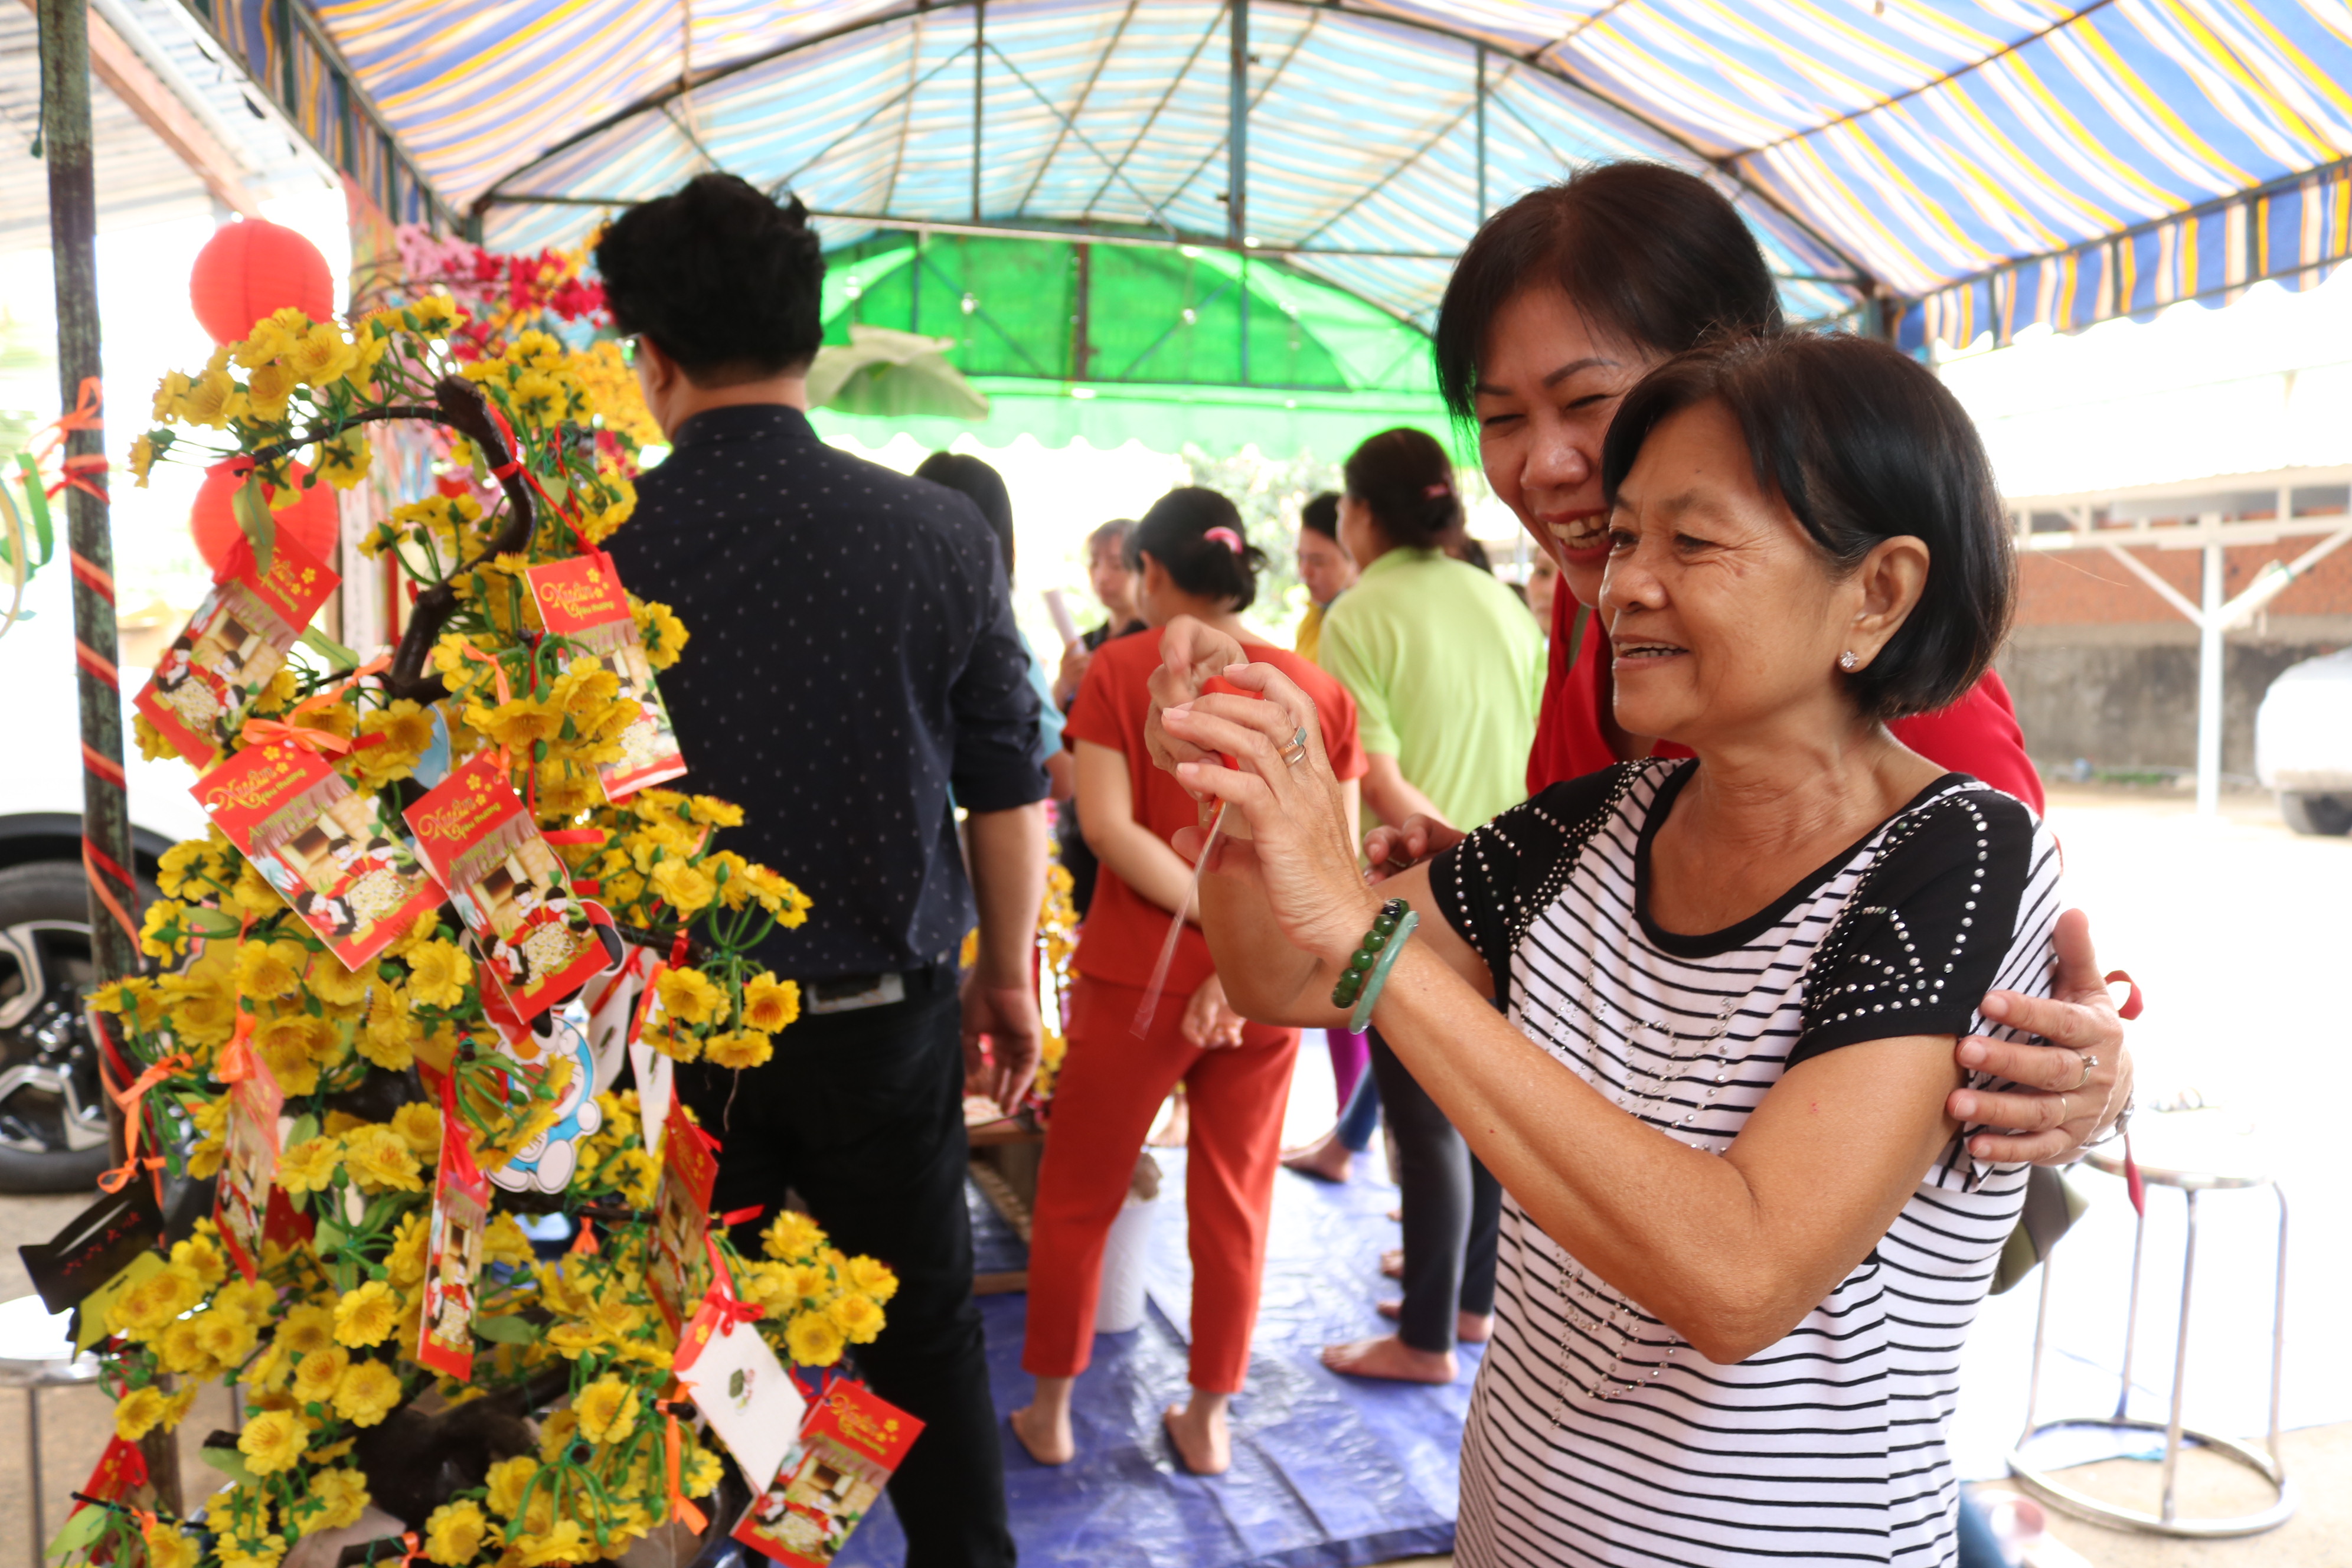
(854, 677)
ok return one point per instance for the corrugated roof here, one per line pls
(1959, 154)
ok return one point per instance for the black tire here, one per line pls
(52, 1109)
(2324, 815)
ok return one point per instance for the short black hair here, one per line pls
(721, 279)
(1405, 477)
(1321, 514)
(1175, 531)
(1112, 534)
(1649, 254)
(1862, 444)
(963, 472)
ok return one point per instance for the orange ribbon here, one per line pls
(319, 743)
(680, 1507)
(83, 415)
(134, 1119)
(235, 1064)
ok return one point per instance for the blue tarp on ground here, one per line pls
(1328, 1472)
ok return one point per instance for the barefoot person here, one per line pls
(1195, 563)
(1739, 1204)
(1445, 667)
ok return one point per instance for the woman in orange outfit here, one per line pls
(1236, 1075)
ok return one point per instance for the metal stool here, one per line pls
(37, 1352)
(2195, 1154)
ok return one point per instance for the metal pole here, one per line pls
(2179, 1363)
(1482, 140)
(2278, 1338)
(2209, 647)
(106, 819)
(1237, 130)
(2131, 1316)
(979, 60)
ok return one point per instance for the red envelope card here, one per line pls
(680, 1275)
(510, 886)
(849, 1445)
(582, 600)
(330, 851)
(233, 647)
(249, 1173)
(742, 1389)
(453, 1256)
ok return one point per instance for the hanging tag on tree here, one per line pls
(656, 1071)
(510, 886)
(849, 1445)
(681, 1272)
(453, 1248)
(248, 1189)
(582, 600)
(329, 850)
(233, 647)
(736, 1381)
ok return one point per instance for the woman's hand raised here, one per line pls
(1190, 654)
(1304, 859)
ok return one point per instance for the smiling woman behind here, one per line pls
(1743, 1240)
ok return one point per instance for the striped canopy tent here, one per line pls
(1934, 169)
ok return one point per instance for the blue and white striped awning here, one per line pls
(1972, 165)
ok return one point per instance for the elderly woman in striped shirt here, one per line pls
(1744, 1236)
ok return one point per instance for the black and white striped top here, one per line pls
(1595, 1433)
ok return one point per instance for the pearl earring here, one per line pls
(1846, 662)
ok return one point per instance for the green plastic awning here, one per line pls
(1113, 342)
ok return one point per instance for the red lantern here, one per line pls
(313, 523)
(249, 270)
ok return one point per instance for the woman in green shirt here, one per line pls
(1446, 667)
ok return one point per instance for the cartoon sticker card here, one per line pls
(742, 1389)
(546, 1163)
(680, 1275)
(453, 1256)
(233, 647)
(509, 885)
(247, 1185)
(331, 852)
(581, 599)
(851, 1443)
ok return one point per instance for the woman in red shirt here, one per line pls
(1194, 561)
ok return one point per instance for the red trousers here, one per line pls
(1111, 1085)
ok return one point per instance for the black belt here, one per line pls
(852, 993)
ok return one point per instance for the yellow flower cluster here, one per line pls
(822, 1300)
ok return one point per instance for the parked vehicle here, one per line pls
(2303, 743)
(52, 1109)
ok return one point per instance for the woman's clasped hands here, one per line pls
(1297, 846)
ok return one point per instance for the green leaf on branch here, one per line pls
(229, 1462)
(507, 1330)
(335, 653)
(260, 526)
(209, 923)
(82, 1529)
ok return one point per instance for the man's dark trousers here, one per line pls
(861, 1113)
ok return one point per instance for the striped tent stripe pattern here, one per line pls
(1974, 165)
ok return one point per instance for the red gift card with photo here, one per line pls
(849, 1445)
(538, 940)
(247, 1197)
(233, 647)
(453, 1255)
(680, 1275)
(582, 600)
(331, 852)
